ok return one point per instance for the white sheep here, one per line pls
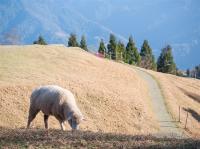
(56, 101)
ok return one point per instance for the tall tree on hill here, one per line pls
(154, 64)
(112, 45)
(120, 51)
(131, 54)
(72, 42)
(102, 48)
(40, 41)
(83, 43)
(197, 70)
(147, 58)
(194, 72)
(188, 72)
(166, 62)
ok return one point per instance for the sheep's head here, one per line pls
(74, 120)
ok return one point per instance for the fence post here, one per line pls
(179, 114)
(186, 121)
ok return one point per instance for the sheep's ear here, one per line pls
(69, 115)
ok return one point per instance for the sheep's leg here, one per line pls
(62, 126)
(46, 121)
(60, 121)
(32, 115)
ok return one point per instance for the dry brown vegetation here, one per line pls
(40, 138)
(183, 92)
(112, 97)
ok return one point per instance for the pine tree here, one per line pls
(197, 71)
(72, 42)
(102, 48)
(166, 62)
(112, 46)
(131, 54)
(154, 65)
(188, 72)
(83, 43)
(120, 51)
(147, 58)
(40, 41)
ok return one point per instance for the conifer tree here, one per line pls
(131, 54)
(197, 71)
(120, 51)
(154, 64)
(102, 48)
(188, 72)
(166, 62)
(40, 41)
(72, 42)
(112, 46)
(147, 58)
(83, 43)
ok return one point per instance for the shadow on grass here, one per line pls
(40, 138)
(194, 96)
(194, 114)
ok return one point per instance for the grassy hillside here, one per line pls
(183, 92)
(112, 97)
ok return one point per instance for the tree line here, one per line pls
(116, 50)
(194, 72)
(129, 53)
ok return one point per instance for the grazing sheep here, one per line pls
(56, 101)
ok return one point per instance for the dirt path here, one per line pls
(168, 126)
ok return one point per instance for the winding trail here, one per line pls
(168, 127)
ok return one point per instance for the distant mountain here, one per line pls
(23, 21)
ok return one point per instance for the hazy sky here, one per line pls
(174, 22)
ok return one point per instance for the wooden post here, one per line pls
(186, 121)
(179, 114)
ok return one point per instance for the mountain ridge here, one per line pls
(29, 21)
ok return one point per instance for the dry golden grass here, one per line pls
(183, 92)
(37, 138)
(112, 97)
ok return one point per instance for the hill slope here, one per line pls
(183, 92)
(112, 97)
